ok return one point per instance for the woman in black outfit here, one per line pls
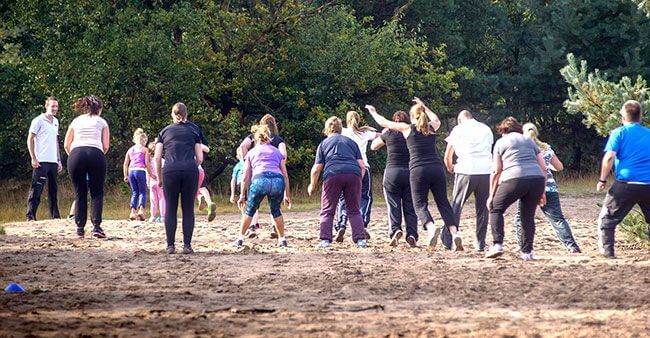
(397, 188)
(180, 145)
(86, 143)
(427, 170)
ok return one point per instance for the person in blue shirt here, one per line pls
(237, 176)
(627, 151)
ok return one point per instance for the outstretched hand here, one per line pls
(417, 100)
(371, 109)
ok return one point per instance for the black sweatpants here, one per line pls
(619, 201)
(46, 172)
(87, 162)
(529, 190)
(397, 191)
(430, 178)
(183, 183)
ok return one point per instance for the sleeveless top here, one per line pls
(422, 149)
(136, 154)
(398, 152)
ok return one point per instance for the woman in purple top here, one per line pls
(266, 165)
(137, 164)
(339, 158)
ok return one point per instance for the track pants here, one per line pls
(430, 178)
(397, 192)
(365, 206)
(529, 190)
(464, 187)
(350, 186)
(181, 184)
(46, 172)
(87, 169)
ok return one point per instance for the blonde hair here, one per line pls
(352, 119)
(421, 119)
(152, 147)
(139, 137)
(333, 125)
(531, 131)
(262, 133)
(269, 121)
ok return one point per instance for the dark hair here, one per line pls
(180, 110)
(632, 110)
(50, 98)
(269, 120)
(509, 125)
(401, 116)
(88, 105)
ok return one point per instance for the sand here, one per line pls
(127, 286)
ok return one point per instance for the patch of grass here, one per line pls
(635, 226)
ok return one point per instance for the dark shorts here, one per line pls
(266, 184)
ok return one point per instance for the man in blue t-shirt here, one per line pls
(628, 152)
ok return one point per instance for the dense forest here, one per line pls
(301, 60)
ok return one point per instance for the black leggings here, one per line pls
(397, 191)
(529, 190)
(87, 169)
(430, 178)
(184, 183)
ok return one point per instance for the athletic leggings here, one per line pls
(430, 178)
(183, 183)
(267, 184)
(88, 161)
(397, 191)
(529, 190)
(138, 182)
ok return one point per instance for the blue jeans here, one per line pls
(366, 203)
(138, 181)
(553, 212)
(267, 184)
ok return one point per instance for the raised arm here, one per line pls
(434, 121)
(377, 144)
(386, 123)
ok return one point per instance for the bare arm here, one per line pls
(287, 191)
(125, 166)
(377, 144)
(605, 168)
(58, 157)
(434, 121)
(283, 149)
(363, 167)
(147, 162)
(106, 139)
(245, 146)
(246, 180)
(30, 147)
(556, 164)
(497, 167)
(449, 158)
(205, 148)
(386, 123)
(233, 185)
(67, 143)
(542, 165)
(157, 157)
(315, 173)
(198, 153)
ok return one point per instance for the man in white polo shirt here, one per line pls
(43, 146)
(471, 141)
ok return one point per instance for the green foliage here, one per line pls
(598, 99)
(2, 230)
(635, 226)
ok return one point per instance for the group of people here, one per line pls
(517, 168)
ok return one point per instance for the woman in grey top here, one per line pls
(519, 173)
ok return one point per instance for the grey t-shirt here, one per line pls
(518, 155)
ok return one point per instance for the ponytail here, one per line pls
(352, 121)
(531, 131)
(139, 137)
(421, 120)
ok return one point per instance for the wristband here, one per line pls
(602, 181)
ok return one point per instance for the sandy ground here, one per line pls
(127, 286)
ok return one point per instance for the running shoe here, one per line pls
(239, 242)
(367, 234)
(30, 219)
(187, 249)
(458, 243)
(495, 251)
(410, 239)
(324, 244)
(212, 211)
(527, 256)
(171, 250)
(80, 233)
(434, 233)
(339, 235)
(71, 217)
(480, 247)
(274, 232)
(160, 219)
(362, 244)
(141, 217)
(98, 232)
(152, 219)
(575, 250)
(201, 204)
(282, 243)
(250, 233)
(395, 239)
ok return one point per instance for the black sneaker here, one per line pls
(98, 232)
(395, 239)
(411, 241)
(187, 249)
(367, 234)
(80, 233)
(71, 217)
(339, 235)
(171, 250)
(30, 219)
(274, 232)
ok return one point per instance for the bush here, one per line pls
(635, 226)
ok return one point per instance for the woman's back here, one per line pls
(88, 131)
(137, 156)
(339, 154)
(264, 158)
(422, 149)
(178, 141)
(518, 155)
(397, 149)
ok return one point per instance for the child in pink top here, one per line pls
(156, 196)
(137, 163)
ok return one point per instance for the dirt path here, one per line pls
(126, 286)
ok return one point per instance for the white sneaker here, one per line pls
(433, 234)
(527, 256)
(495, 251)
